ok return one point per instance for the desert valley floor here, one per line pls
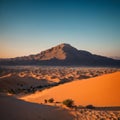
(38, 92)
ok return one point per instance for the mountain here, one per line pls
(115, 57)
(63, 54)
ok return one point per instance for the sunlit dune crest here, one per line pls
(5, 76)
(99, 91)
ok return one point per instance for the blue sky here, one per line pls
(30, 26)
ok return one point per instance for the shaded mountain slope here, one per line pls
(63, 54)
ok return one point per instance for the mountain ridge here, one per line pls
(62, 54)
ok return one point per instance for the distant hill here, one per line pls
(63, 54)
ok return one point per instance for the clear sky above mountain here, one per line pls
(30, 26)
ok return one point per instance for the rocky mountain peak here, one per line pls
(63, 54)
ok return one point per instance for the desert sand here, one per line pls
(98, 91)
(14, 109)
(28, 79)
(101, 88)
(87, 114)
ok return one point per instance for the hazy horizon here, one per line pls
(31, 26)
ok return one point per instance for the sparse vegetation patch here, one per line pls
(68, 103)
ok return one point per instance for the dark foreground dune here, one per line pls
(14, 109)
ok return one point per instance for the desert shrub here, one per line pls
(28, 90)
(90, 107)
(68, 102)
(53, 77)
(12, 91)
(1, 90)
(51, 100)
(21, 85)
(40, 86)
(45, 101)
(102, 118)
(81, 107)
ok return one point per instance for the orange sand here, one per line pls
(99, 91)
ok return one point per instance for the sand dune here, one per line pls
(99, 91)
(16, 82)
(24, 79)
(13, 109)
